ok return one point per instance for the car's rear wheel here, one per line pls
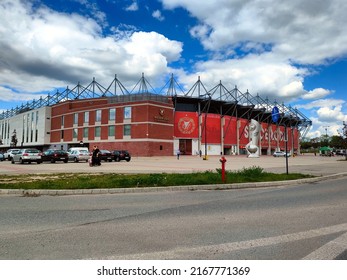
(117, 159)
(75, 159)
(65, 161)
(21, 161)
(12, 161)
(38, 162)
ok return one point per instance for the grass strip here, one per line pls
(67, 181)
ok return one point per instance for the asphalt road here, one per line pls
(293, 222)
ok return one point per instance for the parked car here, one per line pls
(9, 153)
(77, 149)
(2, 157)
(27, 155)
(77, 155)
(105, 155)
(341, 152)
(119, 155)
(55, 155)
(281, 154)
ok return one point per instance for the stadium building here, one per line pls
(210, 122)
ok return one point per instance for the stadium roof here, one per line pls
(219, 100)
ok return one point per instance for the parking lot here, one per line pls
(308, 164)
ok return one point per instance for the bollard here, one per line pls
(223, 161)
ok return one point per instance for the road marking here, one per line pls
(330, 250)
(334, 247)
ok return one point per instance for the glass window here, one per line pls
(85, 132)
(86, 117)
(62, 120)
(112, 114)
(127, 112)
(62, 134)
(111, 130)
(37, 130)
(98, 116)
(127, 130)
(75, 133)
(75, 118)
(97, 131)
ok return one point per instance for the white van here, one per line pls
(77, 154)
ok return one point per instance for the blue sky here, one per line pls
(293, 53)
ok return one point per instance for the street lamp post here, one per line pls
(326, 134)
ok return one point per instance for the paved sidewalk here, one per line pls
(308, 164)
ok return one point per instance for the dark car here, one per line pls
(119, 155)
(2, 157)
(105, 155)
(55, 155)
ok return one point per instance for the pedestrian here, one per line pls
(178, 153)
(95, 156)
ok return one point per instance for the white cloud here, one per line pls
(7, 95)
(133, 7)
(317, 93)
(261, 74)
(157, 14)
(40, 53)
(327, 116)
(331, 114)
(323, 103)
(307, 31)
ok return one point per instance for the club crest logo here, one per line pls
(186, 125)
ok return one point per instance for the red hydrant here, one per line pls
(223, 161)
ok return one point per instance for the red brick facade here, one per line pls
(151, 125)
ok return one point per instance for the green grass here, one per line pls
(68, 181)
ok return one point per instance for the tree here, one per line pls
(336, 142)
(14, 138)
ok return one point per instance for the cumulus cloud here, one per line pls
(325, 114)
(157, 14)
(39, 53)
(133, 7)
(6, 95)
(259, 74)
(323, 103)
(317, 93)
(307, 32)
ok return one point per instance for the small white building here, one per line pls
(27, 129)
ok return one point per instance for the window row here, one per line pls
(111, 115)
(97, 131)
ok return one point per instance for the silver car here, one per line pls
(281, 154)
(27, 155)
(79, 155)
(9, 153)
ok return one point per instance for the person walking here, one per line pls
(178, 153)
(95, 156)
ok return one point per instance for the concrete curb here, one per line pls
(33, 193)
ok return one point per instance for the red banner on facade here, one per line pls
(186, 125)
